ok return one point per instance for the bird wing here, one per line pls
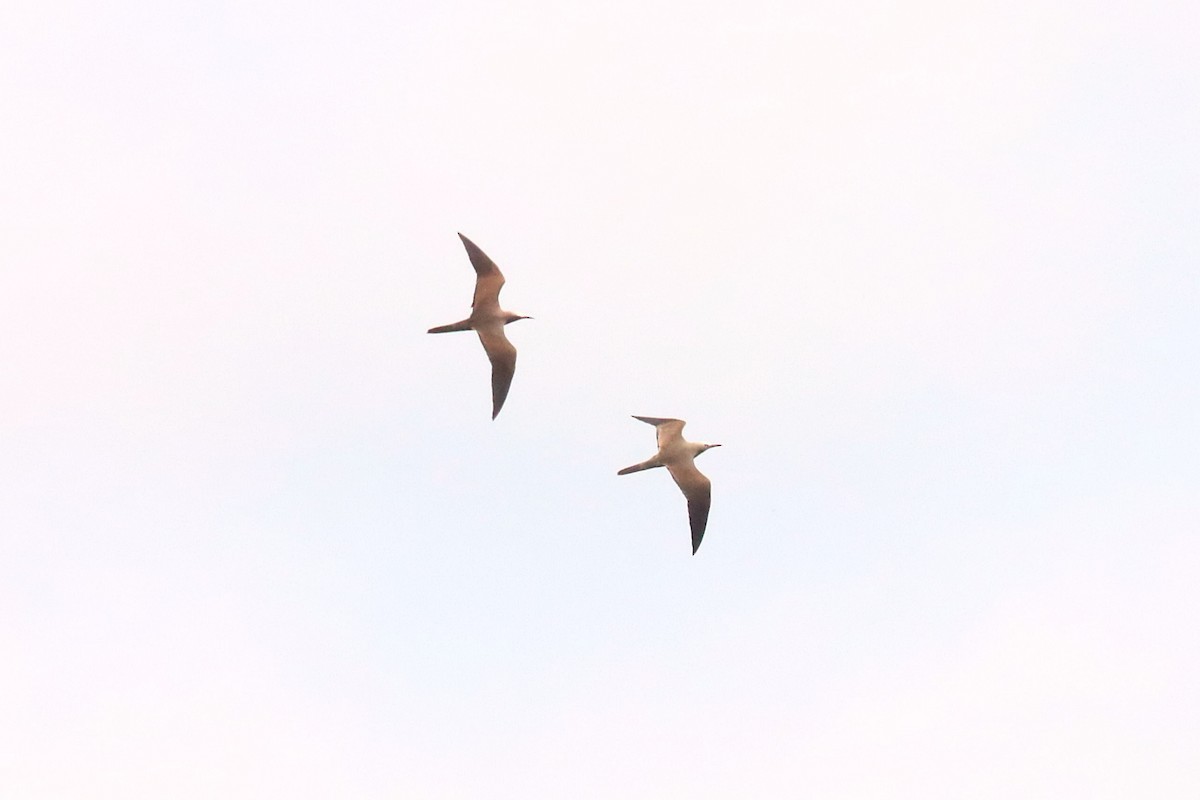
(698, 491)
(488, 278)
(665, 429)
(503, 355)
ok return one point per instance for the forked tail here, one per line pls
(650, 464)
(465, 325)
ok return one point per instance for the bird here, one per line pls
(488, 320)
(678, 456)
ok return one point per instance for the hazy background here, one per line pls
(929, 271)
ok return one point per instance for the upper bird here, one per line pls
(488, 320)
(678, 456)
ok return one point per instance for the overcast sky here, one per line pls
(928, 271)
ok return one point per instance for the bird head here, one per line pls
(708, 447)
(514, 318)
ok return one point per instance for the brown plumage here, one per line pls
(678, 456)
(488, 320)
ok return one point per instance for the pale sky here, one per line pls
(929, 272)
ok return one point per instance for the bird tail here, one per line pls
(651, 464)
(465, 325)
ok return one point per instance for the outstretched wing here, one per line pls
(503, 355)
(488, 278)
(698, 491)
(666, 429)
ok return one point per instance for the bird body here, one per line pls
(488, 320)
(678, 456)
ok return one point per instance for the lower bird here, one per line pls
(488, 320)
(678, 456)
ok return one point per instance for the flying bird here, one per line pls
(678, 456)
(488, 320)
